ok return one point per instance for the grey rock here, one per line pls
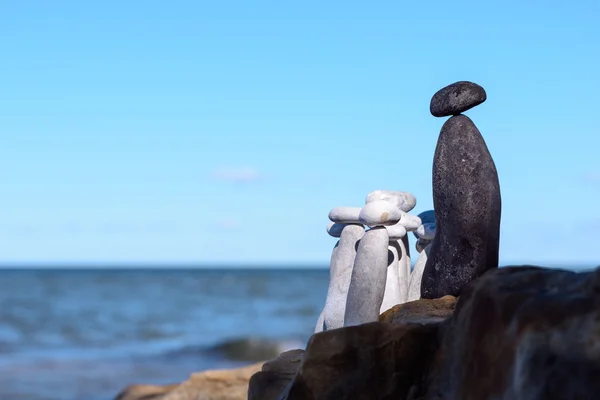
(369, 274)
(404, 265)
(406, 254)
(414, 287)
(340, 273)
(320, 322)
(345, 215)
(398, 274)
(380, 213)
(334, 229)
(456, 98)
(396, 231)
(403, 200)
(467, 203)
(410, 222)
(392, 294)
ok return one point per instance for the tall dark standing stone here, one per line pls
(467, 203)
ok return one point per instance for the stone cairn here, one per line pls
(370, 269)
(466, 197)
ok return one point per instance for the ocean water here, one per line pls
(87, 334)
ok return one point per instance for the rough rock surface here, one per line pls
(516, 333)
(229, 384)
(275, 375)
(522, 333)
(424, 311)
(456, 98)
(378, 360)
(370, 361)
(467, 203)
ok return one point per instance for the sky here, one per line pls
(223, 132)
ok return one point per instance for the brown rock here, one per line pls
(231, 384)
(276, 374)
(370, 361)
(145, 392)
(522, 333)
(358, 362)
(420, 311)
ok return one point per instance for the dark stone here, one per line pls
(456, 98)
(275, 376)
(522, 333)
(467, 203)
(372, 361)
(379, 360)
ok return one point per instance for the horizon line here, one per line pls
(237, 266)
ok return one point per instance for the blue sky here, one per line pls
(223, 132)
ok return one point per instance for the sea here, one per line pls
(75, 334)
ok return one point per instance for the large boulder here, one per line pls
(378, 360)
(522, 333)
(372, 361)
(516, 333)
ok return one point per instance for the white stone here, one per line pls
(334, 229)
(367, 285)
(403, 200)
(410, 222)
(414, 287)
(426, 231)
(396, 231)
(345, 215)
(320, 327)
(340, 273)
(396, 284)
(391, 294)
(379, 213)
(404, 267)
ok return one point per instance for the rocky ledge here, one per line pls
(515, 333)
(229, 384)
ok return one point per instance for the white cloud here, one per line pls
(236, 174)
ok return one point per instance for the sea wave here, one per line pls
(247, 349)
